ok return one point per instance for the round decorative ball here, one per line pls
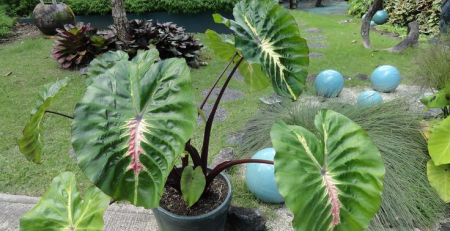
(49, 16)
(364, 16)
(385, 78)
(329, 83)
(367, 98)
(260, 178)
(372, 23)
(380, 17)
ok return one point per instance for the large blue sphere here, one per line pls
(368, 98)
(380, 17)
(385, 78)
(260, 178)
(329, 83)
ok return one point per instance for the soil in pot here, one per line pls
(173, 201)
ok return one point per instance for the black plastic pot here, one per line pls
(212, 221)
(50, 16)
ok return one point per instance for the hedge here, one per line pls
(87, 7)
(426, 12)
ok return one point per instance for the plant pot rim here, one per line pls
(220, 207)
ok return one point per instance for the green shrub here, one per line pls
(432, 67)
(87, 7)
(408, 200)
(426, 12)
(6, 23)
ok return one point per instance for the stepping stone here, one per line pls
(235, 139)
(236, 75)
(362, 77)
(229, 94)
(315, 55)
(311, 78)
(317, 45)
(313, 31)
(271, 100)
(226, 154)
(301, 24)
(220, 116)
(315, 38)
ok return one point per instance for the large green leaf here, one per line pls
(439, 143)
(438, 100)
(331, 183)
(128, 129)
(439, 177)
(193, 183)
(101, 64)
(62, 209)
(223, 48)
(30, 144)
(268, 35)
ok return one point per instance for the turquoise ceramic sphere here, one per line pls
(260, 178)
(380, 17)
(364, 16)
(385, 78)
(367, 98)
(372, 23)
(329, 83)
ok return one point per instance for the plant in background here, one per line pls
(168, 38)
(78, 45)
(6, 22)
(408, 200)
(137, 117)
(432, 67)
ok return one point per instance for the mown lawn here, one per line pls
(31, 67)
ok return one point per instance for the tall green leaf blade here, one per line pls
(30, 144)
(331, 183)
(61, 208)
(103, 63)
(268, 35)
(129, 129)
(193, 183)
(439, 143)
(224, 49)
(221, 20)
(439, 177)
(254, 77)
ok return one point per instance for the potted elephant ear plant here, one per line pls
(136, 119)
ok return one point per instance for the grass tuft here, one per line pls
(408, 200)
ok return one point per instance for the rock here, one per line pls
(220, 116)
(313, 31)
(317, 45)
(311, 78)
(316, 38)
(84, 70)
(444, 227)
(444, 25)
(235, 138)
(316, 55)
(226, 154)
(271, 100)
(229, 94)
(362, 77)
(245, 219)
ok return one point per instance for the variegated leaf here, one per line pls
(129, 128)
(30, 144)
(268, 35)
(329, 183)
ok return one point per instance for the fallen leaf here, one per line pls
(8, 74)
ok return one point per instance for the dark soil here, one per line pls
(173, 202)
(21, 31)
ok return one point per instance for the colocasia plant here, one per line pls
(137, 117)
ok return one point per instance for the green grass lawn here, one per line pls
(31, 68)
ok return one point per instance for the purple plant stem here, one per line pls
(60, 114)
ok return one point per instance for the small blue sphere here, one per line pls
(385, 78)
(367, 98)
(329, 83)
(380, 17)
(364, 16)
(372, 23)
(260, 178)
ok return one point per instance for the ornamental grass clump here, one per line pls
(408, 200)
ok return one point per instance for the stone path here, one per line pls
(220, 116)
(230, 94)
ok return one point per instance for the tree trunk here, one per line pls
(120, 18)
(365, 27)
(411, 40)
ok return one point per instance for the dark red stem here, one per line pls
(60, 114)
(227, 164)
(217, 81)
(195, 156)
(209, 122)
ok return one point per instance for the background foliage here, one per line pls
(6, 22)
(426, 12)
(86, 7)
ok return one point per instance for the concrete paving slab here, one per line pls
(117, 217)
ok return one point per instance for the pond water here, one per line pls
(197, 23)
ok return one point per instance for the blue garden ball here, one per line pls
(364, 16)
(385, 78)
(367, 98)
(380, 17)
(260, 178)
(372, 23)
(329, 83)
